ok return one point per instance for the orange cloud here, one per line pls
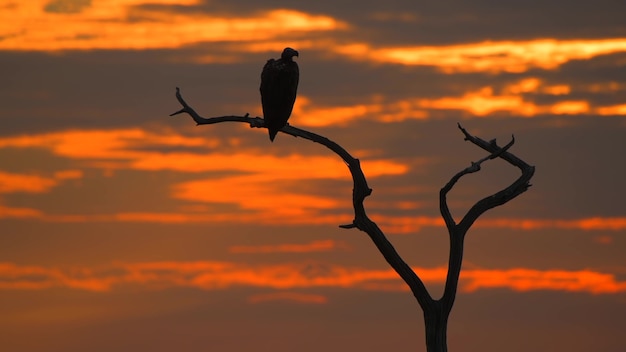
(576, 107)
(612, 110)
(254, 187)
(521, 279)
(489, 56)
(14, 183)
(120, 144)
(482, 102)
(68, 174)
(307, 113)
(558, 89)
(258, 184)
(526, 85)
(288, 296)
(127, 147)
(389, 224)
(315, 246)
(253, 180)
(485, 101)
(45, 25)
(316, 115)
(11, 183)
(406, 224)
(263, 188)
(588, 224)
(20, 213)
(301, 216)
(207, 275)
(298, 210)
(535, 85)
(14, 276)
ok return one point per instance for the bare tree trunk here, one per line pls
(436, 322)
(436, 312)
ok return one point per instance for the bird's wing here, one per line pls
(279, 85)
(269, 92)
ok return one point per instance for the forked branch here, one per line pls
(457, 231)
(515, 189)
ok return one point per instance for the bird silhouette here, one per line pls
(279, 85)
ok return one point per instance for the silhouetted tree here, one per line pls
(436, 311)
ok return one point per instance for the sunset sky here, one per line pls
(125, 229)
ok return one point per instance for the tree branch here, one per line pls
(360, 191)
(518, 187)
(474, 167)
(457, 231)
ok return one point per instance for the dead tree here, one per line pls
(436, 311)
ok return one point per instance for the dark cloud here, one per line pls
(447, 22)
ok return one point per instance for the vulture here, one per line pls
(279, 84)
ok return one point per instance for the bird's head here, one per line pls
(288, 54)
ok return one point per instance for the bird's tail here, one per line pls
(273, 134)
